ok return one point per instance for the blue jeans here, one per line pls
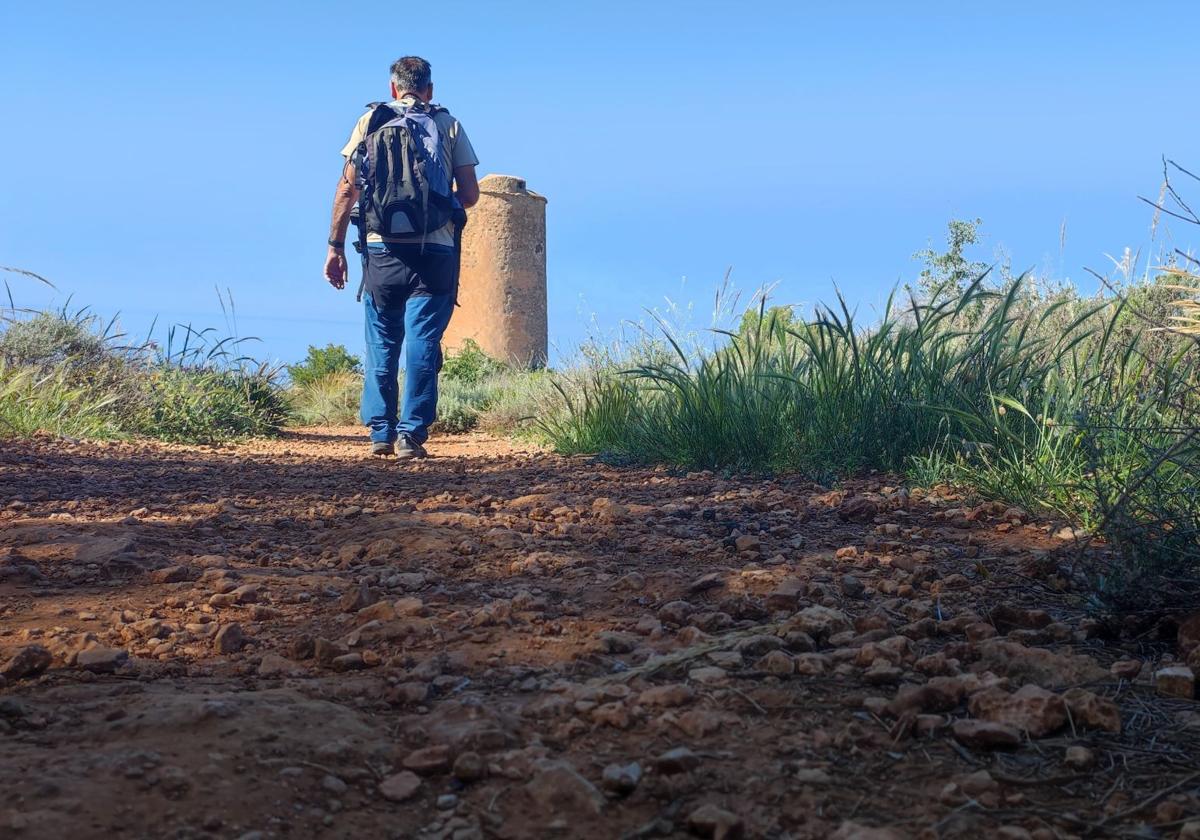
(415, 321)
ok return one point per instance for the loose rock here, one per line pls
(428, 761)
(1080, 758)
(821, 622)
(611, 641)
(852, 587)
(1176, 681)
(858, 509)
(400, 786)
(274, 665)
(1031, 709)
(350, 662)
(1126, 669)
(985, 735)
(677, 760)
(778, 663)
(171, 574)
(101, 660)
(710, 821)
(558, 788)
(1044, 667)
(622, 779)
(1091, 711)
(747, 543)
(379, 611)
(940, 694)
(469, 767)
(229, 639)
(853, 831)
(667, 696)
(29, 661)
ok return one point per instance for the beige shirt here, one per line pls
(455, 150)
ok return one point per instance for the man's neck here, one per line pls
(411, 94)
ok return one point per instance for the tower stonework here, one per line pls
(502, 287)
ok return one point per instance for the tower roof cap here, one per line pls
(506, 185)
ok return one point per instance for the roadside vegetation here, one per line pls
(1081, 407)
(476, 392)
(1084, 408)
(70, 374)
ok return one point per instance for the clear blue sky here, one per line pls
(153, 151)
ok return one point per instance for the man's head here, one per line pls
(412, 75)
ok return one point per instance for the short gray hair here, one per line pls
(411, 73)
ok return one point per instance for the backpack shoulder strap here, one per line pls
(381, 112)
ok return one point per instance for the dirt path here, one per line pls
(286, 640)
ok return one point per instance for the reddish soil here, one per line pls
(287, 639)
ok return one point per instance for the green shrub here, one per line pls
(507, 402)
(460, 404)
(470, 365)
(456, 419)
(322, 362)
(332, 399)
(69, 374)
(502, 401)
(519, 400)
(50, 339)
(208, 405)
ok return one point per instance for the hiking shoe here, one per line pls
(383, 448)
(407, 448)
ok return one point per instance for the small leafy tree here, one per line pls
(775, 317)
(322, 361)
(950, 271)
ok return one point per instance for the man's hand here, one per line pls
(343, 202)
(335, 268)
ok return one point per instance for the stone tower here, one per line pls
(502, 288)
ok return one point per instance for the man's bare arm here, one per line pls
(344, 198)
(466, 186)
(343, 202)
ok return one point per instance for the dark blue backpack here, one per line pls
(404, 188)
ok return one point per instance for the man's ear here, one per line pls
(395, 93)
(429, 93)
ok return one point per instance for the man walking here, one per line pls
(411, 170)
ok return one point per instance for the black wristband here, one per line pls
(341, 246)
